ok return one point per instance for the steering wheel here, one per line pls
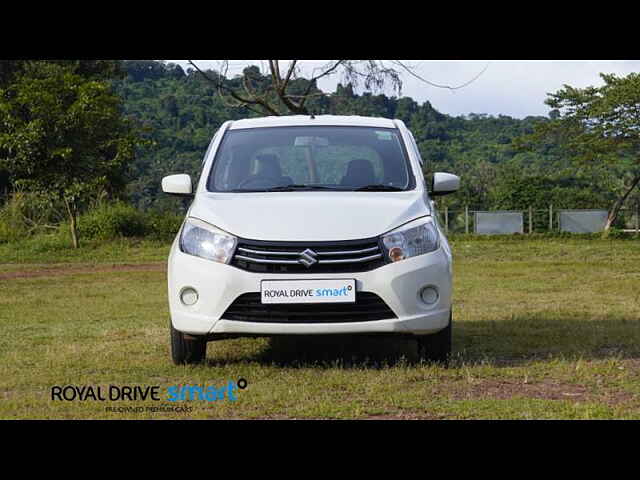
(259, 181)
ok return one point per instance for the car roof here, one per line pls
(309, 121)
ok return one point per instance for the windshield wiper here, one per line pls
(287, 188)
(379, 188)
(294, 187)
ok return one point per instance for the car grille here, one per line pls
(367, 307)
(308, 257)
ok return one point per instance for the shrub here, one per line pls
(112, 220)
(26, 214)
(7, 233)
(163, 226)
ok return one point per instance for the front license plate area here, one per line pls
(308, 291)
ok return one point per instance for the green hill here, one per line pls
(181, 111)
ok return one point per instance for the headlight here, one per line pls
(200, 239)
(416, 238)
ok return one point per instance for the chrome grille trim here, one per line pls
(295, 254)
(295, 262)
(268, 252)
(341, 256)
(353, 260)
(351, 252)
(264, 260)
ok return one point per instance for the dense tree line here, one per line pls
(182, 110)
(178, 110)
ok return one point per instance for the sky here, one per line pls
(516, 88)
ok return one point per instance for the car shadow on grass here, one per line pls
(506, 342)
(526, 338)
(331, 351)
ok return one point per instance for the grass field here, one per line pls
(546, 328)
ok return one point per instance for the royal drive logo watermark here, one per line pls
(172, 397)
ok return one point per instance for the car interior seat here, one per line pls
(269, 166)
(359, 173)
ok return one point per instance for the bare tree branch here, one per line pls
(280, 86)
(275, 74)
(276, 66)
(292, 68)
(411, 72)
(315, 94)
(313, 80)
(243, 102)
(258, 99)
(276, 99)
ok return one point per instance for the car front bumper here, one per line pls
(397, 284)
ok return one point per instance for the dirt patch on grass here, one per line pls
(633, 364)
(384, 416)
(404, 416)
(58, 271)
(545, 390)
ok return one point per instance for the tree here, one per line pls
(283, 91)
(89, 69)
(62, 135)
(480, 148)
(597, 125)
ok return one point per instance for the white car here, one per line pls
(310, 225)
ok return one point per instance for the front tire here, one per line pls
(186, 350)
(436, 348)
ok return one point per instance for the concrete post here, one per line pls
(530, 219)
(466, 219)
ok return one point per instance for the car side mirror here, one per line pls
(177, 185)
(444, 183)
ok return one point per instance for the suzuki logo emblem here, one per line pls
(308, 258)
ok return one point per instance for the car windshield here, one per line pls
(310, 158)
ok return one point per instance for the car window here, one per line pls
(333, 162)
(291, 162)
(340, 158)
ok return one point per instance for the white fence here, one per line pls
(501, 222)
(483, 222)
(582, 221)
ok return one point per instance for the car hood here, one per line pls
(309, 215)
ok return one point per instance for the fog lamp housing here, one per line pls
(429, 295)
(188, 296)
